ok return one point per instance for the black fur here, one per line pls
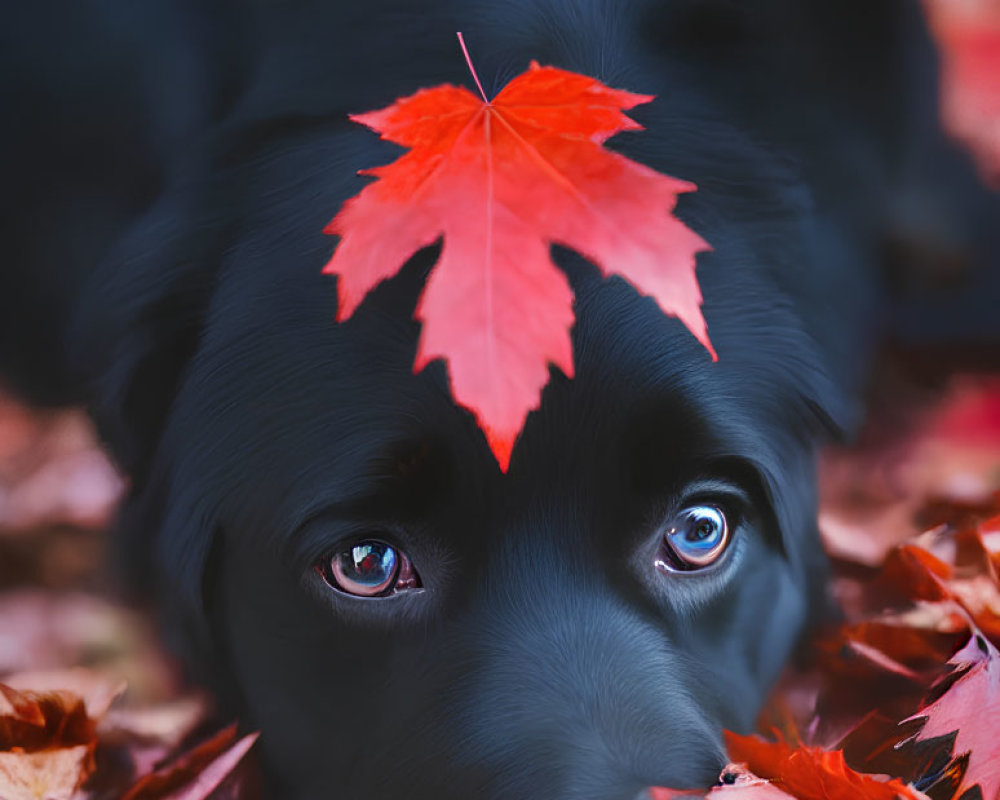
(175, 245)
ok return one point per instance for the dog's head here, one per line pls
(331, 537)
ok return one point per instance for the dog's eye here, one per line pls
(369, 569)
(694, 539)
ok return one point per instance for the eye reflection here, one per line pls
(695, 538)
(368, 568)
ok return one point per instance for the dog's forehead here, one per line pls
(316, 402)
(275, 338)
(272, 322)
(316, 409)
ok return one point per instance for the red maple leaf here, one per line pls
(811, 773)
(500, 181)
(971, 707)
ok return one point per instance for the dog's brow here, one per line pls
(386, 482)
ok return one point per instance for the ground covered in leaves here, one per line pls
(90, 707)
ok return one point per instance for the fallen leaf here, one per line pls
(149, 734)
(63, 723)
(912, 470)
(880, 744)
(970, 706)
(48, 738)
(46, 774)
(97, 692)
(968, 581)
(501, 181)
(16, 707)
(916, 573)
(891, 642)
(197, 773)
(810, 773)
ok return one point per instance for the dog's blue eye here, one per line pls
(366, 569)
(695, 538)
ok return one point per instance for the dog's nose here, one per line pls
(574, 695)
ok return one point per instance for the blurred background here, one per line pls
(968, 34)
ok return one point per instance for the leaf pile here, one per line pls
(60, 740)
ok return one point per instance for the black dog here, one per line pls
(327, 535)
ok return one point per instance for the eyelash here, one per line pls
(735, 505)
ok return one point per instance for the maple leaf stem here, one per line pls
(472, 69)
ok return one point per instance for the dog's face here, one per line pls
(399, 618)
(332, 535)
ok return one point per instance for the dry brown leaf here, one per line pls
(45, 774)
(48, 732)
(96, 691)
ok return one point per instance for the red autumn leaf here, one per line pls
(916, 573)
(19, 709)
(889, 642)
(501, 181)
(149, 734)
(195, 775)
(971, 706)
(879, 743)
(968, 584)
(969, 37)
(48, 737)
(810, 773)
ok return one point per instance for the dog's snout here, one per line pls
(585, 700)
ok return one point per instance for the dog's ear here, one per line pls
(138, 322)
(137, 326)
